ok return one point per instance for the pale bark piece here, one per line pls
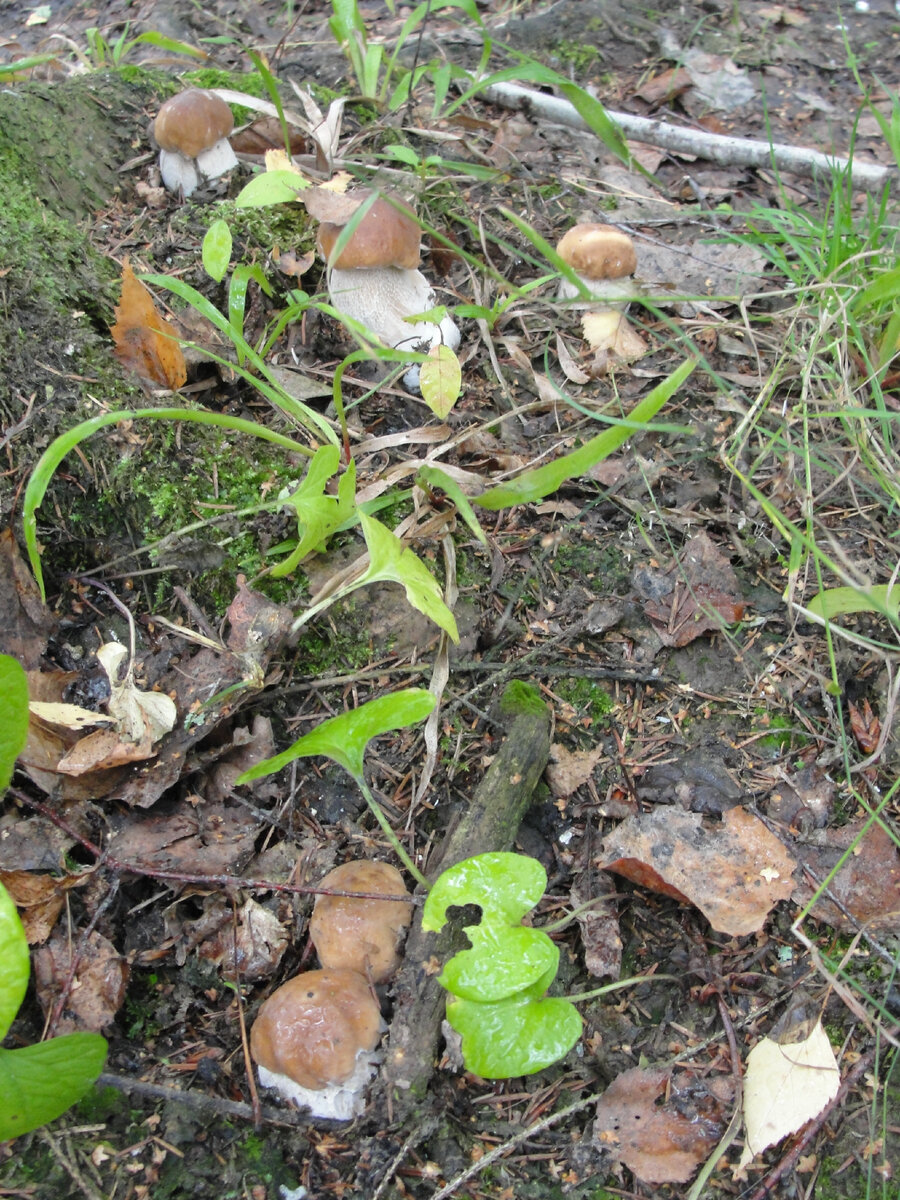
(660, 1143)
(734, 872)
(785, 1086)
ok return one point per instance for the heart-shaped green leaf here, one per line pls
(502, 884)
(503, 960)
(516, 1036)
(343, 739)
(38, 1083)
(392, 562)
(14, 964)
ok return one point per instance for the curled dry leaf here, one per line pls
(144, 342)
(252, 952)
(101, 974)
(138, 715)
(786, 1085)
(39, 899)
(661, 1143)
(866, 888)
(698, 594)
(733, 871)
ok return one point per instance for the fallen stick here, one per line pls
(715, 147)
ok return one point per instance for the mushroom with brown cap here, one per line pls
(603, 258)
(375, 280)
(314, 1041)
(363, 935)
(191, 130)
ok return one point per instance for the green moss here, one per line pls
(602, 568)
(587, 697)
(580, 55)
(520, 697)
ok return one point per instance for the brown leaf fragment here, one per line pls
(569, 769)
(867, 886)
(266, 134)
(210, 839)
(39, 899)
(865, 726)
(664, 87)
(256, 952)
(733, 871)
(25, 622)
(96, 988)
(102, 750)
(145, 343)
(599, 924)
(699, 594)
(660, 1143)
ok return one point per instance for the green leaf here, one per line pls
(38, 1083)
(434, 477)
(392, 562)
(318, 514)
(152, 38)
(271, 187)
(503, 885)
(344, 738)
(216, 250)
(535, 485)
(14, 726)
(440, 378)
(14, 965)
(837, 602)
(516, 1036)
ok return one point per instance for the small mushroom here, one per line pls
(362, 935)
(375, 280)
(603, 258)
(191, 130)
(314, 1039)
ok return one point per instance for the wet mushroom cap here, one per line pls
(387, 236)
(362, 935)
(314, 1026)
(598, 251)
(191, 122)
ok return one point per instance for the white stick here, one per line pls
(717, 148)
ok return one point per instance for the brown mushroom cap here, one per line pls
(387, 236)
(362, 935)
(598, 251)
(192, 122)
(314, 1026)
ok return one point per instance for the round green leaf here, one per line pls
(271, 187)
(38, 1083)
(503, 960)
(14, 726)
(14, 964)
(516, 1036)
(504, 885)
(216, 250)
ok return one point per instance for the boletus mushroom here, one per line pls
(314, 1039)
(359, 934)
(191, 130)
(375, 280)
(603, 258)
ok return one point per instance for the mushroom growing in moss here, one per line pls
(375, 279)
(191, 130)
(314, 1039)
(362, 935)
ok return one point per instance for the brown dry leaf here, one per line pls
(26, 622)
(599, 924)
(569, 769)
(698, 595)
(865, 726)
(867, 885)
(256, 952)
(97, 988)
(328, 203)
(145, 343)
(40, 899)
(209, 839)
(266, 134)
(570, 368)
(101, 751)
(660, 1143)
(664, 87)
(295, 265)
(734, 872)
(249, 747)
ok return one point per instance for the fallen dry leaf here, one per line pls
(698, 594)
(102, 751)
(733, 871)
(257, 950)
(97, 986)
(145, 343)
(210, 839)
(664, 87)
(25, 622)
(599, 924)
(865, 726)
(866, 888)
(569, 769)
(660, 1143)
(786, 1085)
(39, 899)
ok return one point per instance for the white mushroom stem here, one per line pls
(180, 173)
(615, 293)
(337, 1101)
(381, 297)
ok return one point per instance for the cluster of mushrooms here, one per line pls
(373, 278)
(315, 1038)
